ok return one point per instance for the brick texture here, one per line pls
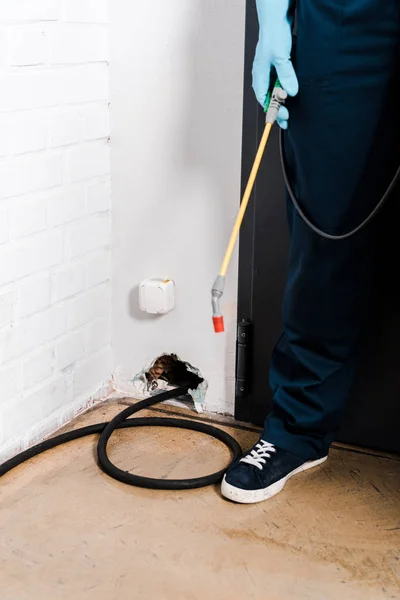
(55, 297)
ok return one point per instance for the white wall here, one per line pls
(176, 124)
(176, 91)
(54, 214)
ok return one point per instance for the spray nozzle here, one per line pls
(216, 294)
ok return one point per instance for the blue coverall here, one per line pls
(342, 150)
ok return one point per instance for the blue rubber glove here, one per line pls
(273, 50)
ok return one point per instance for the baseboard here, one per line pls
(55, 421)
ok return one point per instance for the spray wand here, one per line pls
(273, 103)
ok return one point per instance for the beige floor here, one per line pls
(68, 532)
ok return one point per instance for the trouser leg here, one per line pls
(342, 149)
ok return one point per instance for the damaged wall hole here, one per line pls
(174, 371)
(168, 371)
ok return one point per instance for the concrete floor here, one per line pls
(69, 532)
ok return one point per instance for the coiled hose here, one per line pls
(121, 421)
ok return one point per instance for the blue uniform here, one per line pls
(342, 149)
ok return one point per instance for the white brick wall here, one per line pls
(55, 330)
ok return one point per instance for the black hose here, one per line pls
(121, 421)
(317, 230)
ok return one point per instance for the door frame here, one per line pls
(251, 122)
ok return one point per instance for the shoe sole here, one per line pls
(240, 496)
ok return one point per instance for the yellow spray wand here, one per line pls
(273, 102)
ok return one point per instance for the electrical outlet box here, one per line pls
(157, 296)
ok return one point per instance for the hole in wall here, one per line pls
(174, 371)
(167, 372)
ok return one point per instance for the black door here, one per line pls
(372, 417)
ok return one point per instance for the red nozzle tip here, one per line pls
(218, 324)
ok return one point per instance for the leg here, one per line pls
(342, 150)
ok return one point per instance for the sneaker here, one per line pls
(262, 473)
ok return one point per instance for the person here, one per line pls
(342, 149)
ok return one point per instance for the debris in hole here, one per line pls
(169, 368)
(167, 372)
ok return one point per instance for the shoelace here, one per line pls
(257, 457)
